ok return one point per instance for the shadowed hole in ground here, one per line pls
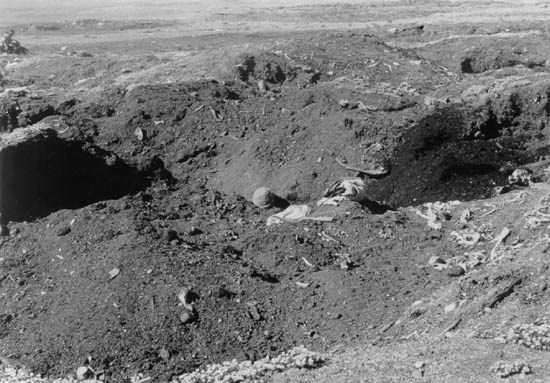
(47, 174)
(440, 159)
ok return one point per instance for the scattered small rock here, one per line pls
(455, 271)
(195, 231)
(187, 316)
(437, 263)
(418, 374)
(234, 371)
(64, 230)
(140, 134)
(84, 372)
(262, 86)
(344, 103)
(253, 312)
(466, 216)
(520, 177)
(171, 235)
(505, 369)
(450, 307)
(114, 272)
(499, 190)
(185, 297)
(164, 354)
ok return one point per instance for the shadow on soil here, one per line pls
(39, 178)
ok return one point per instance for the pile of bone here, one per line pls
(506, 369)
(535, 336)
(233, 371)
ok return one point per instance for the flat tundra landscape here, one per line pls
(275, 191)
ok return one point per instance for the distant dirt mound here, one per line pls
(480, 60)
(264, 66)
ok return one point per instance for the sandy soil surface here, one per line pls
(132, 146)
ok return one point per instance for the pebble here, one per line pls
(455, 271)
(164, 354)
(114, 272)
(254, 313)
(139, 133)
(262, 85)
(344, 103)
(450, 307)
(195, 231)
(466, 216)
(83, 373)
(417, 374)
(437, 262)
(187, 316)
(185, 298)
(64, 230)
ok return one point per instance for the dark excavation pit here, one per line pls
(44, 174)
(447, 157)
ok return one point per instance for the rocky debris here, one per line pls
(21, 375)
(114, 272)
(505, 369)
(262, 86)
(520, 177)
(139, 134)
(480, 60)
(265, 66)
(437, 211)
(63, 230)
(450, 307)
(438, 263)
(84, 372)
(186, 316)
(534, 336)
(418, 371)
(539, 215)
(64, 50)
(186, 297)
(455, 271)
(10, 45)
(466, 238)
(466, 216)
(254, 312)
(164, 354)
(498, 240)
(233, 371)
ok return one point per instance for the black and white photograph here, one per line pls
(274, 191)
